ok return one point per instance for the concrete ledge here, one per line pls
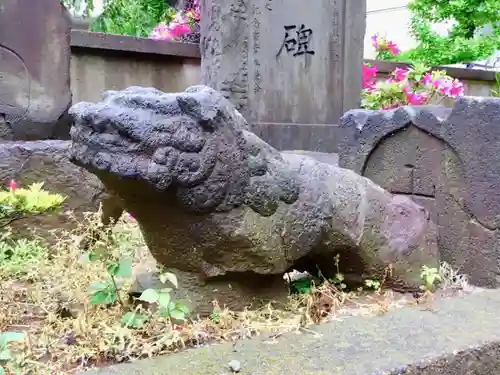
(81, 39)
(459, 335)
(119, 43)
(386, 67)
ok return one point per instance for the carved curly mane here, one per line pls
(194, 142)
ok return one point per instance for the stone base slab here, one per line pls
(457, 335)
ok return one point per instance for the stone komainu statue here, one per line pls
(214, 199)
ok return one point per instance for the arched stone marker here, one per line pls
(447, 160)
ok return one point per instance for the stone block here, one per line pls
(47, 162)
(34, 70)
(279, 61)
(447, 160)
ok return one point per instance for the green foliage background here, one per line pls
(462, 44)
(125, 17)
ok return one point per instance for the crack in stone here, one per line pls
(473, 217)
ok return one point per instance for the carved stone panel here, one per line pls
(284, 61)
(446, 160)
(408, 163)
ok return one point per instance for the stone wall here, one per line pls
(101, 62)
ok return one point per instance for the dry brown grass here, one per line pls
(45, 294)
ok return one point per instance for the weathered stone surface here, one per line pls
(34, 69)
(199, 296)
(446, 160)
(319, 138)
(279, 61)
(47, 162)
(323, 157)
(214, 199)
(249, 290)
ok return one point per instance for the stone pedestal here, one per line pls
(285, 61)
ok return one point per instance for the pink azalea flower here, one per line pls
(401, 87)
(179, 29)
(161, 32)
(369, 74)
(383, 45)
(400, 74)
(176, 28)
(427, 79)
(194, 14)
(12, 185)
(457, 88)
(443, 86)
(392, 48)
(390, 106)
(416, 98)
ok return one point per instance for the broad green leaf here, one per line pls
(98, 286)
(104, 297)
(5, 355)
(113, 269)
(164, 299)
(2, 370)
(93, 256)
(124, 268)
(13, 336)
(134, 320)
(182, 307)
(90, 257)
(301, 286)
(149, 295)
(177, 315)
(168, 276)
(162, 311)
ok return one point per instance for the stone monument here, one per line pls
(35, 58)
(284, 61)
(216, 202)
(447, 160)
